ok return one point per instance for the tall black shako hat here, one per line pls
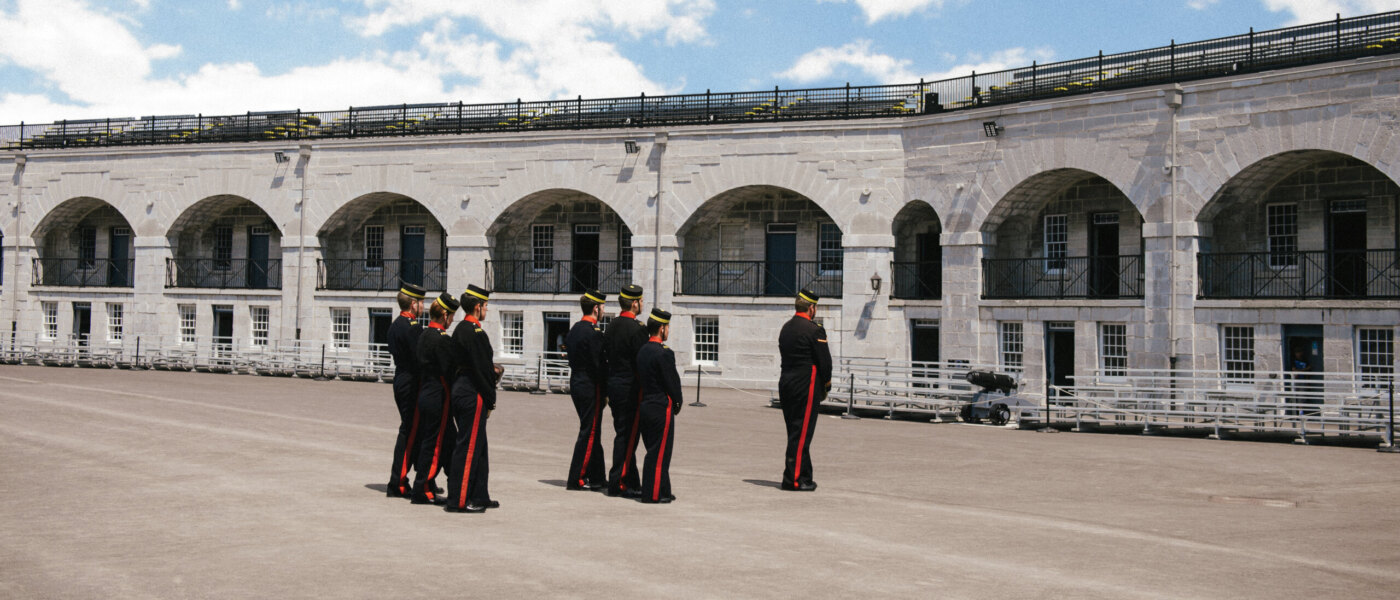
(596, 296)
(448, 303)
(630, 292)
(476, 292)
(412, 290)
(808, 295)
(659, 316)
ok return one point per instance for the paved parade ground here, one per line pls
(119, 484)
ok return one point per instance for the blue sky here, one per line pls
(118, 58)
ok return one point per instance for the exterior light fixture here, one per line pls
(992, 129)
(875, 283)
(630, 146)
(280, 157)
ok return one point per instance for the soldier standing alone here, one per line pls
(621, 342)
(661, 401)
(587, 374)
(403, 342)
(805, 378)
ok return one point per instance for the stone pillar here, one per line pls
(654, 268)
(145, 315)
(863, 327)
(961, 327)
(20, 252)
(1167, 272)
(300, 283)
(466, 263)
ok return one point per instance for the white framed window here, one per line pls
(542, 247)
(258, 317)
(374, 246)
(1113, 349)
(829, 248)
(223, 247)
(1011, 336)
(189, 318)
(1056, 242)
(512, 333)
(624, 249)
(1237, 353)
(1281, 221)
(340, 328)
(706, 340)
(1375, 353)
(50, 320)
(115, 317)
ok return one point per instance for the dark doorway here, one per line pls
(923, 347)
(780, 260)
(930, 266)
(411, 240)
(119, 253)
(379, 321)
(1302, 352)
(1103, 248)
(585, 258)
(82, 322)
(257, 256)
(556, 326)
(1059, 356)
(223, 330)
(1346, 238)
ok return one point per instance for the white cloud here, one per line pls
(1312, 11)
(824, 63)
(1201, 4)
(875, 10)
(536, 20)
(1000, 60)
(234, 4)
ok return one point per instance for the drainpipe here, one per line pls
(304, 158)
(20, 162)
(1174, 97)
(661, 138)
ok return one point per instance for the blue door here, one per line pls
(257, 257)
(410, 255)
(780, 260)
(119, 255)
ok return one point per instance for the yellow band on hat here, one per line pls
(625, 296)
(478, 295)
(594, 298)
(806, 297)
(444, 306)
(659, 319)
(405, 292)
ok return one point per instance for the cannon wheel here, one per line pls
(999, 414)
(968, 416)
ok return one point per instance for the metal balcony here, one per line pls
(755, 278)
(223, 274)
(558, 276)
(917, 280)
(379, 275)
(1357, 274)
(83, 272)
(1100, 277)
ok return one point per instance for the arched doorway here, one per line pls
(918, 256)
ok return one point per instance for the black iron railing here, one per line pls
(558, 276)
(80, 272)
(379, 275)
(1255, 51)
(755, 278)
(223, 274)
(919, 280)
(1314, 274)
(1103, 277)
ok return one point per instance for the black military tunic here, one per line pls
(587, 373)
(437, 363)
(806, 375)
(403, 343)
(622, 340)
(473, 397)
(661, 400)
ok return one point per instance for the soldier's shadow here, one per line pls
(763, 483)
(554, 482)
(378, 487)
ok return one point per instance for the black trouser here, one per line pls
(587, 466)
(659, 433)
(623, 398)
(406, 446)
(470, 468)
(437, 431)
(800, 393)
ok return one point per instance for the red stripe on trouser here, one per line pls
(806, 418)
(442, 428)
(592, 431)
(408, 448)
(471, 450)
(661, 453)
(632, 439)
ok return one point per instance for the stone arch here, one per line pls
(559, 240)
(917, 269)
(837, 198)
(363, 244)
(225, 241)
(79, 242)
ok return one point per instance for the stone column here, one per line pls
(145, 314)
(300, 283)
(963, 333)
(466, 263)
(863, 328)
(1167, 272)
(20, 252)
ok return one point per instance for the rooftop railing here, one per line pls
(1252, 52)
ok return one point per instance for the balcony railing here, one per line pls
(379, 275)
(558, 276)
(755, 278)
(223, 274)
(1067, 277)
(1311, 274)
(1340, 39)
(917, 280)
(80, 272)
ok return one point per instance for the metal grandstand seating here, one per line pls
(935, 389)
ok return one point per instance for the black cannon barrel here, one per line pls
(992, 382)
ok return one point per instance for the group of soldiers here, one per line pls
(445, 390)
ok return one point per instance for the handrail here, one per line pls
(1300, 274)
(243, 273)
(756, 278)
(379, 275)
(1102, 277)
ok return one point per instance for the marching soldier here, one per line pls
(806, 376)
(622, 340)
(403, 342)
(473, 399)
(661, 401)
(437, 365)
(587, 374)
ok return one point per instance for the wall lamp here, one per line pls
(280, 157)
(992, 129)
(875, 283)
(630, 146)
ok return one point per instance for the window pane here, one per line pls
(1283, 234)
(829, 247)
(1012, 344)
(259, 317)
(1237, 353)
(374, 246)
(1113, 349)
(188, 316)
(340, 327)
(1056, 241)
(706, 339)
(542, 247)
(1375, 353)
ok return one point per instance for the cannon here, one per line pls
(993, 402)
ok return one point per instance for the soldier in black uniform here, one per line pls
(661, 401)
(806, 376)
(587, 374)
(437, 364)
(622, 340)
(473, 399)
(403, 342)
